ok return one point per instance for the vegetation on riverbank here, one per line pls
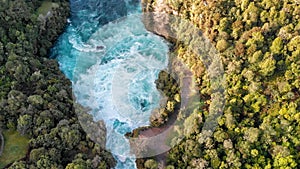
(35, 97)
(259, 43)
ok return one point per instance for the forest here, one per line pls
(35, 96)
(259, 44)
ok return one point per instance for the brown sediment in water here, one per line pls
(153, 131)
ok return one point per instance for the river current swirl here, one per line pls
(112, 64)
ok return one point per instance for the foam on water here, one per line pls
(113, 67)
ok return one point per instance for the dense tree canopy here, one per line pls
(35, 97)
(259, 45)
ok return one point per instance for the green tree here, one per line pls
(277, 46)
(151, 164)
(268, 65)
(222, 45)
(24, 123)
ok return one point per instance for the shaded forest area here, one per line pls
(35, 97)
(259, 43)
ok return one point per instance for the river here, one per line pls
(112, 64)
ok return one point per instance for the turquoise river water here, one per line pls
(112, 64)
